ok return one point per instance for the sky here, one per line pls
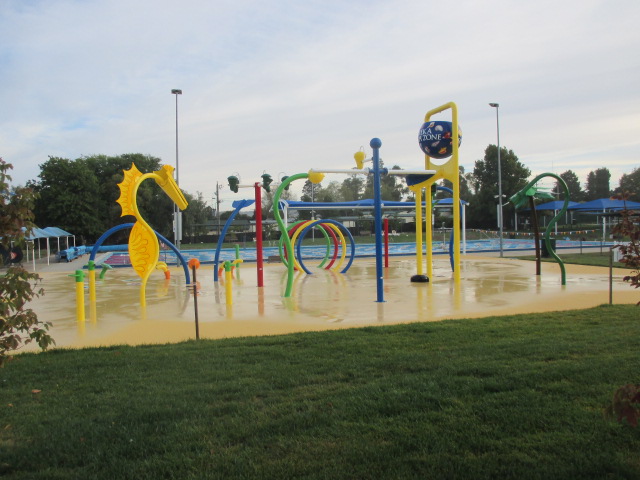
(284, 86)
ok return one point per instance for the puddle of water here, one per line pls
(324, 300)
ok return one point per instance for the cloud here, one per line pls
(286, 86)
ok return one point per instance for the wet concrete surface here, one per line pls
(324, 300)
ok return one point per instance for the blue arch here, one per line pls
(237, 205)
(122, 226)
(447, 189)
(333, 222)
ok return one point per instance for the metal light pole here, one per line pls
(313, 216)
(497, 107)
(218, 202)
(176, 212)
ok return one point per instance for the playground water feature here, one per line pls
(321, 300)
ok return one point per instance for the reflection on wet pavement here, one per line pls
(324, 300)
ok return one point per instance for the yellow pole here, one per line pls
(429, 230)
(80, 301)
(450, 171)
(228, 283)
(143, 297)
(455, 180)
(93, 310)
(418, 194)
(79, 276)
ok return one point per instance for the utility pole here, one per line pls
(218, 202)
(500, 227)
(177, 215)
(313, 216)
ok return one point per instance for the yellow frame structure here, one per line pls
(449, 171)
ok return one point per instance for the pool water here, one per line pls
(248, 253)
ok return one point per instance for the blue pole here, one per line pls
(122, 226)
(237, 205)
(375, 144)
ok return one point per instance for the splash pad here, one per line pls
(322, 301)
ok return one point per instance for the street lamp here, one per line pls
(176, 212)
(218, 202)
(497, 107)
(313, 215)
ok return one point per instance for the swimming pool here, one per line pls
(248, 253)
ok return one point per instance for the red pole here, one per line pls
(386, 243)
(259, 261)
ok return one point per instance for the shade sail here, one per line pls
(38, 233)
(57, 232)
(606, 204)
(366, 203)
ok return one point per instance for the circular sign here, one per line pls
(435, 139)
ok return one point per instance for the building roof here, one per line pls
(606, 204)
(48, 232)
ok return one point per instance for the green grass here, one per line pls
(596, 259)
(502, 397)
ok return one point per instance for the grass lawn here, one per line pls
(597, 259)
(501, 397)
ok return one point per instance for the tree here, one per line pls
(330, 194)
(194, 218)
(573, 184)
(267, 202)
(598, 184)
(482, 210)
(80, 195)
(18, 325)
(69, 197)
(629, 228)
(466, 179)
(391, 187)
(109, 171)
(309, 191)
(352, 188)
(630, 184)
(155, 206)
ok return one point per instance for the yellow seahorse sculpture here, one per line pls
(144, 249)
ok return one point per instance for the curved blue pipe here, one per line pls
(375, 145)
(333, 222)
(447, 189)
(122, 226)
(237, 205)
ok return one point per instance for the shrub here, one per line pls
(18, 325)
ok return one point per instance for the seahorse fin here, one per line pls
(126, 190)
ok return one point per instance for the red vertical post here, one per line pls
(258, 187)
(386, 243)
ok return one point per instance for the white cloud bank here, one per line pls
(285, 86)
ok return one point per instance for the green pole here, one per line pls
(284, 231)
(238, 263)
(547, 232)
